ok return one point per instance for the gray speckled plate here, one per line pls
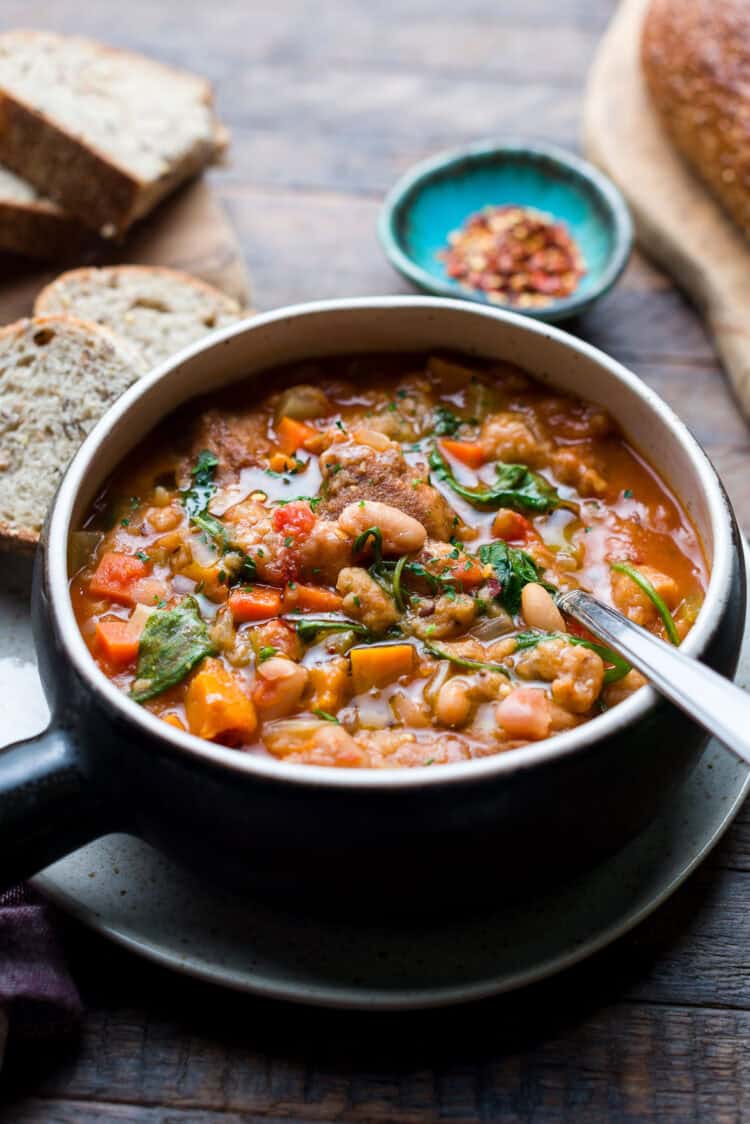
(124, 889)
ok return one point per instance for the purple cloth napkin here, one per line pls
(36, 991)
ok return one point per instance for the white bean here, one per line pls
(539, 610)
(401, 533)
(453, 703)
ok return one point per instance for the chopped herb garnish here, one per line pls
(446, 423)
(142, 556)
(326, 716)
(124, 522)
(628, 493)
(266, 652)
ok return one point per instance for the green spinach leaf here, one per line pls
(514, 569)
(516, 487)
(172, 643)
(309, 628)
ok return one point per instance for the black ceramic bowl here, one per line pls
(106, 764)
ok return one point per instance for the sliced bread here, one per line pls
(158, 310)
(58, 375)
(105, 133)
(35, 226)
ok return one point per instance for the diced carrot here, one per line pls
(469, 453)
(511, 526)
(117, 641)
(281, 462)
(216, 707)
(116, 576)
(380, 665)
(311, 598)
(174, 720)
(255, 603)
(292, 434)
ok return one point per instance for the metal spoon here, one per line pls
(708, 698)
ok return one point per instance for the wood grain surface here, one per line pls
(684, 228)
(328, 104)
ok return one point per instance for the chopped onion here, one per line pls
(82, 546)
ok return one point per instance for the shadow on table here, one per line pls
(119, 988)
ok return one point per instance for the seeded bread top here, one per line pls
(140, 114)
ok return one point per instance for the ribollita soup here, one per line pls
(359, 568)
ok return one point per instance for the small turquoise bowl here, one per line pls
(436, 197)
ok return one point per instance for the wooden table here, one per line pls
(328, 103)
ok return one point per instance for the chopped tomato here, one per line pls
(469, 453)
(468, 571)
(311, 598)
(512, 526)
(463, 568)
(255, 603)
(294, 518)
(116, 576)
(293, 434)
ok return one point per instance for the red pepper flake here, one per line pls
(517, 256)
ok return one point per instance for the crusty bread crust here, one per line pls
(696, 60)
(24, 540)
(40, 231)
(89, 184)
(46, 300)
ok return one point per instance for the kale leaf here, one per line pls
(172, 643)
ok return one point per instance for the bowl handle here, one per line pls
(47, 807)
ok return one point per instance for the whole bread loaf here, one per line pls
(102, 132)
(696, 60)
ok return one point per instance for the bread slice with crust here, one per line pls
(158, 310)
(34, 226)
(103, 132)
(58, 375)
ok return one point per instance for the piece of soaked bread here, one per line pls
(158, 310)
(35, 226)
(696, 59)
(58, 375)
(105, 133)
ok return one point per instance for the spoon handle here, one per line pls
(712, 701)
